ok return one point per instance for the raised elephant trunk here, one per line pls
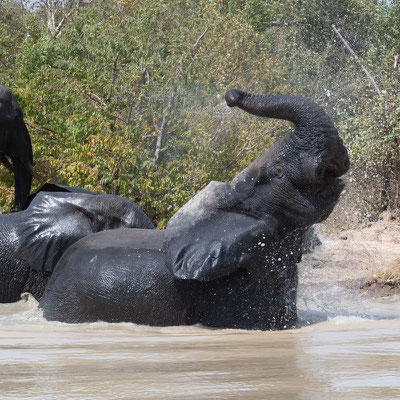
(308, 117)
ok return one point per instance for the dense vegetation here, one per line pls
(126, 97)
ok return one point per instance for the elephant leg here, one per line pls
(12, 280)
(23, 183)
(19, 278)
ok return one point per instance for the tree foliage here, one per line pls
(94, 94)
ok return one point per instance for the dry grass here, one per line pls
(386, 275)
(368, 256)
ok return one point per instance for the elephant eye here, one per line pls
(119, 223)
(278, 171)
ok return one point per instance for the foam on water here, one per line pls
(25, 311)
(328, 307)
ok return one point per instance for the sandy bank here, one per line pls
(366, 259)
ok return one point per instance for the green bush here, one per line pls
(94, 96)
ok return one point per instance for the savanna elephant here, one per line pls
(32, 241)
(227, 258)
(15, 145)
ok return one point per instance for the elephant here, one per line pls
(15, 145)
(32, 240)
(54, 187)
(227, 258)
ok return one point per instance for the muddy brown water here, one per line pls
(348, 347)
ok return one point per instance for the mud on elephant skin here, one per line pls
(15, 147)
(227, 258)
(32, 241)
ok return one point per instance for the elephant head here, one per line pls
(293, 185)
(15, 144)
(54, 221)
(296, 179)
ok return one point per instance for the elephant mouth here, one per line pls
(332, 173)
(327, 180)
(327, 185)
(332, 185)
(338, 167)
(334, 182)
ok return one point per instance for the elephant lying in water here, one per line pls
(228, 257)
(33, 240)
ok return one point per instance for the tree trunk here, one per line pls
(163, 128)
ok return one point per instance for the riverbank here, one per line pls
(365, 259)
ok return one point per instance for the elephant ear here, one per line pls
(54, 187)
(217, 246)
(53, 223)
(215, 196)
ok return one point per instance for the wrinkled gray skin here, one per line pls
(32, 241)
(228, 257)
(15, 147)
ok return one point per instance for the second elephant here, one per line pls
(32, 241)
(15, 145)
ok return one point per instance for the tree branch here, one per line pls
(100, 104)
(192, 53)
(52, 11)
(331, 14)
(165, 119)
(113, 75)
(27, 33)
(41, 127)
(163, 128)
(346, 44)
(60, 26)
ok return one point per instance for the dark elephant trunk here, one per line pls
(23, 183)
(308, 117)
(311, 121)
(22, 158)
